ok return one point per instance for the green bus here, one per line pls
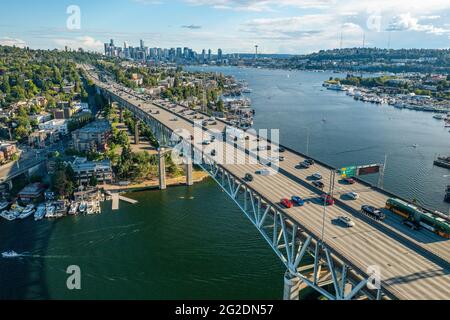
(434, 223)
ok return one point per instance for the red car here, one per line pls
(328, 199)
(287, 203)
(349, 181)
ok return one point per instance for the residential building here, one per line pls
(92, 137)
(85, 170)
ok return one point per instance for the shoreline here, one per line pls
(150, 185)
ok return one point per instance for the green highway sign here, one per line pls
(349, 172)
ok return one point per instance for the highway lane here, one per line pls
(364, 245)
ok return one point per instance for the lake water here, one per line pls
(194, 243)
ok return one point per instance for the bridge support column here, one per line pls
(121, 115)
(162, 170)
(189, 174)
(136, 133)
(292, 286)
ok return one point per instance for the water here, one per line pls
(184, 243)
(354, 133)
(193, 243)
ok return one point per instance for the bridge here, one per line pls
(339, 263)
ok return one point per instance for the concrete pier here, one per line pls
(189, 174)
(162, 169)
(136, 133)
(291, 287)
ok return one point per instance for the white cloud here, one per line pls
(406, 22)
(7, 41)
(85, 42)
(262, 5)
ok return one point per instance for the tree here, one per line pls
(93, 182)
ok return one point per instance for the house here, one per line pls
(9, 150)
(89, 194)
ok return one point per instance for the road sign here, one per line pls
(348, 172)
(370, 169)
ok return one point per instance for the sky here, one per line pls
(276, 26)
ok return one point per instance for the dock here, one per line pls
(116, 198)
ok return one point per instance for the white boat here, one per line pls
(439, 117)
(10, 254)
(4, 205)
(83, 207)
(90, 208)
(50, 212)
(8, 215)
(73, 208)
(40, 213)
(28, 211)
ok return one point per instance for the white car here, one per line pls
(353, 195)
(317, 176)
(265, 172)
(347, 221)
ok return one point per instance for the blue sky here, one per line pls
(277, 26)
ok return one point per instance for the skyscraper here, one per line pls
(219, 55)
(142, 45)
(209, 54)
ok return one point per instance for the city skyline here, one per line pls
(287, 26)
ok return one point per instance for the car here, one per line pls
(304, 165)
(248, 177)
(281, 150)
(266, 172)
(286, 203)
(206, 142)
(352, 195)
(281, 159)
(318, 184)
(213, 153)
(311, 162)
(349, 181)
(298, 201)
(346, 221)
(373, 212)
(411, 224)
(327, 199)
(317, 176)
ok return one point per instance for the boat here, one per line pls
(8, 215)
(40, 213)
(415, 145)
(50, 212)
(438, 117)
(83, 207)
(28, 211)
(447, 194)
(443, 162)
(10, 254)
(4, 205)
(90, 208)
(73, 208)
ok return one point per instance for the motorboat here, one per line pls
(73, 208)
(83, 207)
(28, 211)
(10, 254)
(50, 212)
(8, 215)
(40, 213)
(4, 205)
